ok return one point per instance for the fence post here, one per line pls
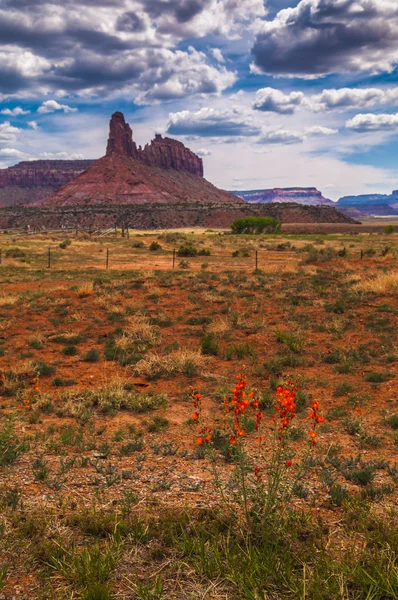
(174, 257)
(49, 258)
(361, 254)
(1, 258)
(256, 260)
(107, 258)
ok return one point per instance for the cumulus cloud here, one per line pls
(319, 37)
(8, 132)
(344, 98)
(50, 106)
(217, 54)
(237, 123)
(272, 100)
(320, 130)
(33, 125)
(11, 152)
(281, 135)
(210, 122)
(95, 48)
(340, 99)
(183, 74)
(203, 152)
(14, 112)
(371, 122)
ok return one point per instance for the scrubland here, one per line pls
(212, 431)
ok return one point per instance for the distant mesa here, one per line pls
(375, 205)
(310, 196)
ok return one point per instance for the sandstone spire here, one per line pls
(120, 139)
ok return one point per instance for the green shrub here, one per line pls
(70, 350)
(92, 355)
(65, 244)
(256, 225)
(154, 246)
(187, 249)
(15, 253)
(209, 345)
(388, 229)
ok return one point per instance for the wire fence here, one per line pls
(116, 258)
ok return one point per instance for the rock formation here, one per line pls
(30, 181)
(164, 153)
(165, 171)
(310, 196)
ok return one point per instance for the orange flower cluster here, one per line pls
(205, 432)
(316, 419)
(26, 403)
(240, 403)
(285, 406)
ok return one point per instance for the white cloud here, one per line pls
(33, 125)
(273, 100)
(14, 112)
(172, 75)
(319, 130)
(50, 106)
(61, 155)
(13, 152)
(217, 54)
(373, 122)
(203, 152)
(344, 98)
(8, 132)
(210, 122)
(340, 99)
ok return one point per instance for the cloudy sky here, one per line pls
(273, 93)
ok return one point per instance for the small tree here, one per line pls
(256, 225)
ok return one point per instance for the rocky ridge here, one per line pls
(29, 181)
(310, 196)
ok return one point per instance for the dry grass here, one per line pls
(220, 327)
(86, 289)
(383, 283)
(8, 299)
(181, 361)
(138, 328)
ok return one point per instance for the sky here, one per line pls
(273, 93)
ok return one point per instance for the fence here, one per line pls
(98, 257)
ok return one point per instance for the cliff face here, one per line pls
(171, 154)
(30, 181)
(310, 196)
(164, 153)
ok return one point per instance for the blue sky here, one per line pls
(274, 93)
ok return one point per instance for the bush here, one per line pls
(15, 253)
(209, 345)
(187, 249)
(92, 356)
(256, 225)
(389, 229)
(65, 244)
(154, 246)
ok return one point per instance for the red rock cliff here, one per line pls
(29, 181)
(163, 153)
